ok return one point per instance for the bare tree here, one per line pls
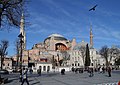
(114, 52)
(17, 48)
(65, 56)
(53, 61)
(83, 53)
(10, 12)
(3, 50)
(104, 52)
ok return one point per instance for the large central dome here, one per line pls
(56, 37)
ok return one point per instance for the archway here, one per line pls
(60, 46)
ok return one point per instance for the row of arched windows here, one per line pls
(76, 64)
(45, 68)
(76, 58)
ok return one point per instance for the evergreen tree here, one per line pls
(87, 58)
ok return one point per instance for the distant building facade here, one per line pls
(58, 51)
(7, 64)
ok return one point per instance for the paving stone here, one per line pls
(71, 79)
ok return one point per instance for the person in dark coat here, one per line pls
(76, 70)
(103, 69)
(39, 71)
(31, 71)
(25, 77)
(91, 71)
(109, 71)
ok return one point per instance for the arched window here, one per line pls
(40, 67)
(44, 68)
(48, 68)
(78, 64)
(60, 46)
(72, 64)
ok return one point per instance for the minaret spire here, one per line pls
(91, 36)
(22, 30)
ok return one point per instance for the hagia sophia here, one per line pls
(57, 51)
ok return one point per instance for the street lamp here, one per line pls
(58, 58)
(1, 55)
(21, 49)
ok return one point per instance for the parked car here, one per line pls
(4, 71)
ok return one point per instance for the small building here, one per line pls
(7, 64)
(44, 66)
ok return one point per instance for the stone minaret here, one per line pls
(22, 30)
(91, 37)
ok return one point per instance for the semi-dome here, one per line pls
(79, 45)
(56, 37)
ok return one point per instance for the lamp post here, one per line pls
(1, 55)
(28, 58)
(21, 49)
(58, 58)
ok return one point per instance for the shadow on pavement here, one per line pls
(107, 76)
(36, 83)
(11, 80)
(30, 80)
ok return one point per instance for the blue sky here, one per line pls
(71, 19)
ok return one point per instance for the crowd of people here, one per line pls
(89, 69)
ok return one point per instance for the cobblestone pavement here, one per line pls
(70, 79)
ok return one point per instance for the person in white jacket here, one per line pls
(25, 77)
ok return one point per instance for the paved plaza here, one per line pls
(69, 79)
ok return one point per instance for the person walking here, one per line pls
(100, 70)
(39, 71)
(109, 71)
(30, 70)
(103, 69)
(25, 77)
(91, 71)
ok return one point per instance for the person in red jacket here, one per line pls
(119, 83)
